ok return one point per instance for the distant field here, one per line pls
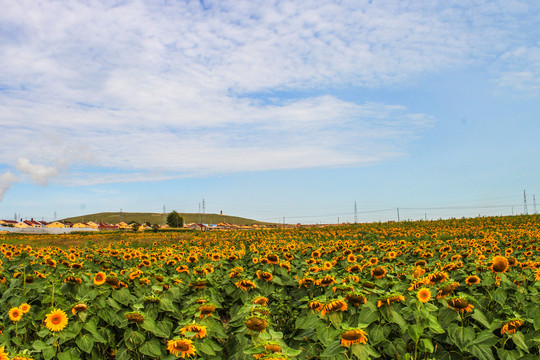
(160, 218)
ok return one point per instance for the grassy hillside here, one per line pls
(160, 218)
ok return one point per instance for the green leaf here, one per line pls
(368, 315)
(335, 318)
(499, 296)
(307, 322)
(123, 354)
(536, 322)
(48, 353)
(206, 349)
(167, 305)
(134, 339)
(425, 345)
(378, 334)
(151, 348)
(447, 316)
(68, 355)
(40, 345)
(481, 318)
(434, 325)
(415, 331)
(508, 354)
(485, 337)
(482, 352)
(460, 336)
(398, 319)
(364, 351)
(332, 350)
(519, 339)
(122, 296)
(85, 342)
(326, 334)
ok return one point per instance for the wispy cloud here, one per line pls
(157, 90)
(6, 180)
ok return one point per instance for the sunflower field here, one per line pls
(449, 289)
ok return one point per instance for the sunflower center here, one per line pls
(56, 320)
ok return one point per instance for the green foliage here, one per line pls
(174, 220)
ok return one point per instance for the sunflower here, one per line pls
(499, 264)
(460, 304)
(355, 298)
(199, 330)
(272, 347)
(100, 278)
(245, 285)
(206, 310)
(15, 314)
(353, 336)
(447, 288)
(354, 268)
(333, 306)
(315, 305)
(472, 280)
(326, 281)
(378, 272)
(423, 295)
(260, 300)
(135, 317)
(78, 307)
(438, 277)
(56, 320)
(264, 275)
(390, 299)
(273, 259)
(256, 323)
(24, 308)
(510, 326)
(3, 354)
(184, 346)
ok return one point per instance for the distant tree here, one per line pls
(135, 226)
(155, 227)
(174, 220)
(148, 223)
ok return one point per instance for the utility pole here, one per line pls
(284, 222)
(425, 216)
(397, 214)
(203, 210)
(525, 211)
(355, 213)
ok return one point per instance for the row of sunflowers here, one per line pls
(454, 289)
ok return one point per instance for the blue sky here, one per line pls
(270, 109)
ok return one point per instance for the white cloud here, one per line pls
(162, 90)
(40, 174)
(6, 180)
(519, 70)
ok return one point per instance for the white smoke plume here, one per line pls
(40, 174)
(6, 179)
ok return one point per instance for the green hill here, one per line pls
(160, 218)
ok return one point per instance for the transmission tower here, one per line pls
(355, 213)
(203, 210)
(525, 203)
